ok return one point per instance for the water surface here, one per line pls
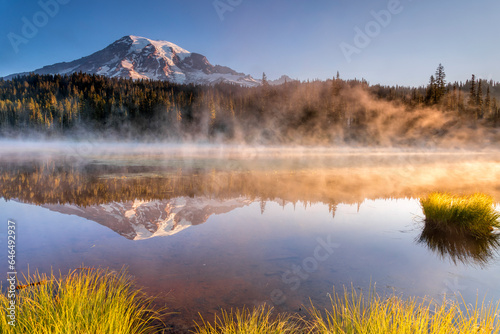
(210, 229)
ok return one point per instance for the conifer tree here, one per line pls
(440, 83)
(431, 91)
(487, 101)
(265, 83)
(472, 94)
(479, 99)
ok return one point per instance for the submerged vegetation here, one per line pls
(474, 214)
(84, 301)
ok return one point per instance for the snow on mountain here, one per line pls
(142, 58)
(139, 220)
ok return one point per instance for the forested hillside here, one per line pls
(335, 111)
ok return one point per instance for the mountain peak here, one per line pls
(139, 57)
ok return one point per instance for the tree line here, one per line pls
(312, 112)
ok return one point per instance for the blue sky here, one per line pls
(299, 38)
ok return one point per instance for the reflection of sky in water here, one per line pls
(240, 257)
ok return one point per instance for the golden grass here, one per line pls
(474, 214)
(93, 301)
(102, 302)
(355, 313)
(259, 320)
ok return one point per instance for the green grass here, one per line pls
(474, 214)
(84, 301)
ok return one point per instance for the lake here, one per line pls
(208, 227)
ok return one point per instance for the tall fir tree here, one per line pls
(479, 99)
(440, 83)
(472, 92)
(431, 91)
(487, 101)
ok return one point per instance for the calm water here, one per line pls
(209, 228)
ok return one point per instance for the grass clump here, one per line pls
(90, 301)
(356, 314)
(256, 321)
(474, 214)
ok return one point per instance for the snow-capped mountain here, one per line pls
(138, 220)
(142, 58)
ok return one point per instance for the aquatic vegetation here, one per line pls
(355, 313)
(474, 214)
(92, 301)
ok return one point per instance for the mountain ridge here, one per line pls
(138, 57)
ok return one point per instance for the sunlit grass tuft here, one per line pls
(91, 301)
(474, 214)
(259, 320)
(355, 313)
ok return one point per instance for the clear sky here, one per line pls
(303, 39)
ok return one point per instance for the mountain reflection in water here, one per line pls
(139, 220)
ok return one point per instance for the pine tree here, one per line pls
(472, 94)
(453, 103)
(265, 83)
(487, 101)
(479, 99)
(496, 111)
(440, 88)
(472, 89)
(431, 91)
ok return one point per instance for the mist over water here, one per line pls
(344, 173)
(108, 148)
